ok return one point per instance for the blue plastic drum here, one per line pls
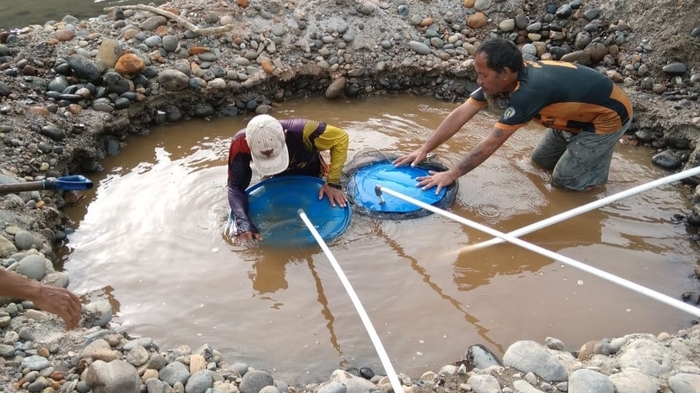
(274, 204)
(371, 168)
(401, 179)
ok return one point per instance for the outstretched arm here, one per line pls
(240, 226)
(56, 300)
(449, 126)
(336, 140)
(477, 155)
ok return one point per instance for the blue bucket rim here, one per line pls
(336, 232)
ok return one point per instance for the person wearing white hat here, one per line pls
(282, 147)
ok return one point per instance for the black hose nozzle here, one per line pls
(378, 191)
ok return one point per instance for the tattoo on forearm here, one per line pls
(481, 151)
(469, 162)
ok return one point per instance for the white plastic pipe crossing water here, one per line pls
(586, 208)
(542, 251)
(393, 378)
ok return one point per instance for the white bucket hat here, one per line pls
(267, 144)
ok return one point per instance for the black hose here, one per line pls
(48, 184)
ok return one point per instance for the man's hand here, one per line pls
(335, 196)
(439, 179)
(243, 238)
(414, 158)
(61, 302)
(246, 238)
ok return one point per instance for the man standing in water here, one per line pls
(584, 113)
(282, 147)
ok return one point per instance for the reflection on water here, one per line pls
(149, 236)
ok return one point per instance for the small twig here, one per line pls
(178, 18)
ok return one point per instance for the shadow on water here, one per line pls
(149, 238)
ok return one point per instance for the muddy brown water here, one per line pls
(149, 238)
(17, 14)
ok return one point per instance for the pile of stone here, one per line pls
(36, 356)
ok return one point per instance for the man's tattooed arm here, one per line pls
(483, 150)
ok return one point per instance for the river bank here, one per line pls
(73, 91)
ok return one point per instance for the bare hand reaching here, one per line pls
(413, 158)
(246, 238)
(436, 179)
(336, 197)
(53, 299)
(61, 302)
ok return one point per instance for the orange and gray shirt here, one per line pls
(563, 96)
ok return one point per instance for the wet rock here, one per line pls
(336, 88)
(666, 159)
(366, 373)
(480, 357)
(204, 110)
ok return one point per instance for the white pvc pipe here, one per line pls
(393, 378)
(542, 251)
(586, 208)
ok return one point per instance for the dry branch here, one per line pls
(180, 20)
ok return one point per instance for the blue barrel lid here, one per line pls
(401, 179)
(274, 204)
